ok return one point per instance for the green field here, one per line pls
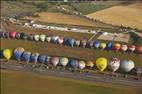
(58, 50)
(29, 83)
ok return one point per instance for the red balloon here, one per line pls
(13, 34)
(139, 49)
(132, 47)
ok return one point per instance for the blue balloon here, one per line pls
(34, 57)
(42, 58)
(73, 63)
(26, 56)
(96, 44)
(109, 45)
(18, 54)
(1, 34)
(1, 55)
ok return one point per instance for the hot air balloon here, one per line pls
(139, 49)
(7, 53)
(103, 45)
(70, 42)
(18, 53)
(54, 61)
(127, 65)
(132, 48)
(101, 63)
(77, 43)
(114, 64)
(26, 56)
(96, 44)
(116, 46)
(84, 42)
(91, 44)
(73, 63)
(1, 55)
(54, 39)
(90, 64)
(25, 37)
(42, 37)
(42, 59)
(48, 39)
(109, 45)
(6, 34)
(34, 57)
(31, 37)
(12, 34)
(60, 40)
(18, 35)
(36, 37)
(1, 34)
(124, 47)
(81, 64)
(64, 61)
(48, 60)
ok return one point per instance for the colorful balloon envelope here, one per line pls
(64, 61)
(34, 57)
(48, 58)
(127, 65)
(26, 56)
(54, 39)
(91, 43)
(7, 53)
(71, 42)
(36, 37)
(12, 34)
(42, 37)
(139, 49)
(101, 63)
(109, 45)
(83, 42)
(18, 35)
(132, 48)
(73, 63)
(114, 64)
(42, 59)
(25, 37)
(90, 64)
(96, 44)
(48, 39)
(31, 37)
(6, 34)
(124, 47)
(77, 43)
(18, 53)
(117, 46)
(60, 40)
(54, 61)
(103, 45)
(81, 64)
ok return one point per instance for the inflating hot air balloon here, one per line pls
(132, 48)
(101, 63)
(18, 53)
(36, 37)
(48, 39)
(7, 53)
(81, 64)
(77, 43)
(114, 64)
(90, 64)
(64, 61)
(6, 34)
(31, 37)
(48, 58)
(54, 61)
(103, 45)
(127, 65)
(60, 40)
(42, 37)
(54, 39)
(84, 42)
(1, 34)
(34, 57)
(25, 37)
(12, 34)
(73, 63)
(18, 35)
(69, 42)
(1, 55)
(91, 44)
(116, 46)
(109, 45)
(26, 56)
(96, 44)
(139, 49)
(42, 59)
(124, 47)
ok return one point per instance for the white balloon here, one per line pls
(127, 65)
(42, 37)
(64, 61)
(81, 64)
(55, 61)
(36, 37)
(114, 64)
(48, 39)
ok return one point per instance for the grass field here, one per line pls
(115, 15)
(53, 49)
(29, 83)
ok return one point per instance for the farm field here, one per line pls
(114, 15)
(58, 50)
(41, 84)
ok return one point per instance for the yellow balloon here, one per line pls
(7, 53)
(101, 63)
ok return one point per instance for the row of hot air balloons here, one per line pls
(73, 42)
(101, 63)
